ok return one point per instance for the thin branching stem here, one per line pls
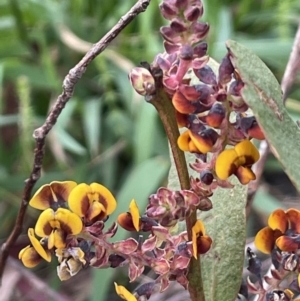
(40, 134)
(166, 111)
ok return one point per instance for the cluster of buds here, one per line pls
(208, 103)
(71, 226)
(280, 239)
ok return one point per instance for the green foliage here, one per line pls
(263, 95)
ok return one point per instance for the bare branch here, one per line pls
(40, 134)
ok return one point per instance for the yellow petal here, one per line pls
(197, 230)
(49, 194)
(62, 189)
(78, 199)
(42, 198)
(134, 211)
(225, 164)
(265, 239)
(59, 239)
(96, 209)
(43, 227)
(124, 293)
(183, 141)
(83, 196)
(203, 143)
(45, 254)
(69, 222)
(247, 151)
(51, 241)
(106, 197)
(289, 293)
(29, 257)
(278, 220)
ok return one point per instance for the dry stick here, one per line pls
(292, 67)
(40, 134)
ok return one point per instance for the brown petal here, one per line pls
(293, 216)
(286, 243)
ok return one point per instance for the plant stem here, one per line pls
(166, 111)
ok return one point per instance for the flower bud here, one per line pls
(254, 264)
(186, 52)
(193, 13)
(115, 260)
(199, 31)
(250, 126)
(206, 177)
(170, 35)
(181, 4)
(142, 81)
(225, 71)
(145, 289)
(215, 115)
(201, 49)
(168, 10)
(126, 222)
(205, 204)
(236, 88)
(178, 25)
(206, 75)
(205, 140)
(147, 223)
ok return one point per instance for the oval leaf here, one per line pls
(263, 95)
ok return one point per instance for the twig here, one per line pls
(40, 134)
(292, 67)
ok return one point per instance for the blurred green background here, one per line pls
(107, 133)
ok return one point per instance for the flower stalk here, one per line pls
(166, 112)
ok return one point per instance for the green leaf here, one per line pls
(145, 124)
(225, 224)
(92, 122)
(263, 95)
(68, 142)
